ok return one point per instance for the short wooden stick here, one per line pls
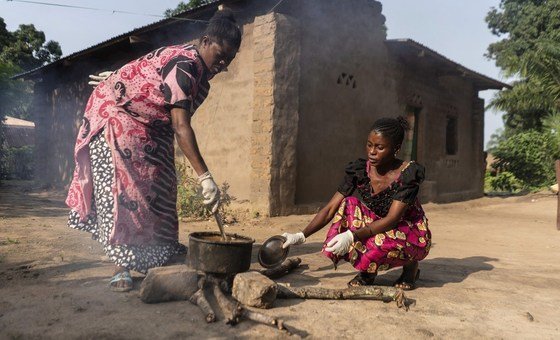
(200, 300)
(286, 267)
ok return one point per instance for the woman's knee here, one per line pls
(351, 200)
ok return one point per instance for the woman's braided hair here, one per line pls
(392, 128)
(223, 28)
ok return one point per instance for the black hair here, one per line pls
(392, 128)
(223, 28)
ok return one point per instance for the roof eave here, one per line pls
(36, 72)
(481, 81)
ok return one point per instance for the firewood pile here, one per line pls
(250, 289)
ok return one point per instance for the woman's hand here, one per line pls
(340, 244)
(293, 239)
(96, 79)
(210, 191)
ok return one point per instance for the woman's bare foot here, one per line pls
(407, 280)
(121, 280)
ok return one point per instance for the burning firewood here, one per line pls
(200, 300)
(232, 310)
(235, 311)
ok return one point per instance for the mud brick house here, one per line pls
(296, 105)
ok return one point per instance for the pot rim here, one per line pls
(196, 236)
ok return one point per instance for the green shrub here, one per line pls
(505, 181)
(529, 157)
(17, 163)
(488, 176)
(189, 195)
(3, 173)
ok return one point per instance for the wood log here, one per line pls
(235, 311)
(285, 268)
(386, 294)
(264, 319)
(557, 166)
(232, 310)
(274, 322)
(200, 300)
(175, 283)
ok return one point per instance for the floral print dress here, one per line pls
(124, 188)
(409, 240)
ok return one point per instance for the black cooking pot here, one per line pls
(208, 252)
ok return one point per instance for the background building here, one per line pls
(297, 103)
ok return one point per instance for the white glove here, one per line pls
(293, 239)
(341, 243)
(96, 79)
(210, 191)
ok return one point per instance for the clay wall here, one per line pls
(344, 87)
(449, 176)
(294, 108)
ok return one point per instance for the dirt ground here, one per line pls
(493, 272)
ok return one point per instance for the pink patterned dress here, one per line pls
(409, 240)
(124, 188)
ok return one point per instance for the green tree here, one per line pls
(529, 51)
(24, 49)
(27, 47)
(21, 50)
(14, 94)
(182, 7)
(529, 156)
(552, 125)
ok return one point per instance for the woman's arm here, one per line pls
(324, 216)
(181, 121)
(186, 138)
(395, 214)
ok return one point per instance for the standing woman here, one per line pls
(124, 189)
(387, 226)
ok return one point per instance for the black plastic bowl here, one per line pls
(271, 253)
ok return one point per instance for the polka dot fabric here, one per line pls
(100, 222)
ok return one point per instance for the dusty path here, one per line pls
(494, 272)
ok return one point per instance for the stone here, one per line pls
(170, 283)
(254, 290)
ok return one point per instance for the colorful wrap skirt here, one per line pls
(409, 241)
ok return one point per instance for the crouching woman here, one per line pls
(383, 224)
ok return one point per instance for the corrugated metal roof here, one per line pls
(488, 82)
(120, 37)
(18, 136)
(12, 121)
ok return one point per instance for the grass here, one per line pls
(9, 241)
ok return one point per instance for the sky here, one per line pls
(454, 28)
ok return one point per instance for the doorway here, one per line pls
(409, 149)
